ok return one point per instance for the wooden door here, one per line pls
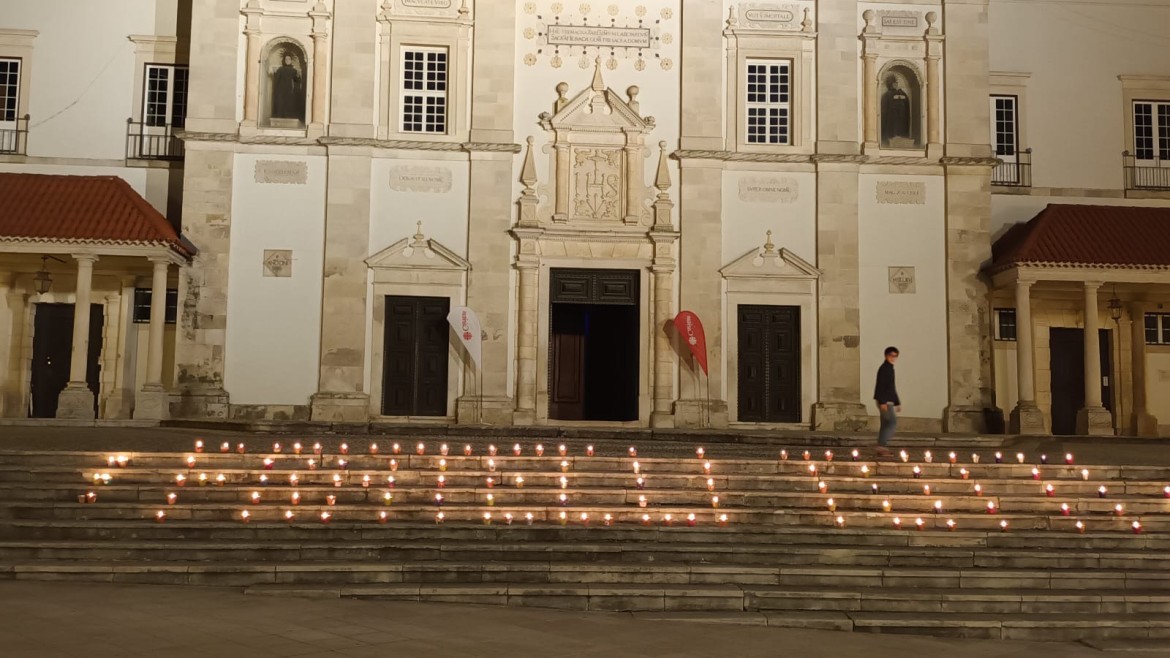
(53, 351)
(567, 394)
(414, 374)
(1067, 364)
(769, 364)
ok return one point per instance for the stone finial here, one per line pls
(463, 10)
(662, 178)
(807, 24)
(633, 92)
(931, 21)
(871, 26)
(562, 98)
(419, 237)
(732, 18)
(598, 82)
(768, 246)
(528, 171)
(388, 6)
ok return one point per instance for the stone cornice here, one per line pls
(394, 144)
(969, 162)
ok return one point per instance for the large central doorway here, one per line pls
(1067, 363)
(414, 373)
(53, 351)
(593, 345)
(769, 364)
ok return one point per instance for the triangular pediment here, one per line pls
(600, 108)
(768, 262)
(417, 253)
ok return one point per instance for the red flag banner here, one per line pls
(691, 330)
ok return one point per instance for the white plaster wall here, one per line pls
(1004, 370)
(1158, 385)
(274, 324)
(394, 214)
(1074, 52)
(82, 73)
(904, 235)
(746, 222)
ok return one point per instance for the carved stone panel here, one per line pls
(769, 189)
(281, 172)
(901, 192)
(597, 184)
(278, 263)
(902, 281)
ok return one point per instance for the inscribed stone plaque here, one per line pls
(282, 172)
(901, 192)
(899, 18)
(407, 178)
(590, 35)
(427, 4)
(768, 189)
(766, 15)
(902, 281)
(278, 263)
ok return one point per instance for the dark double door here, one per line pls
(1067, 363)
(53, 351)
(593, 345)
(414, 374)
(769, 364)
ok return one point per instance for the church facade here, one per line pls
(814, 181)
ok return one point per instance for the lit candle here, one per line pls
(822, 487)
(978, 489)
(563, 518)
(330, 499)
(715, 501)
(289, 516)
(225, 447)
(812, 470)
(1084, 474)
(487, 518)
(974, 458)
(180, 479)
(296, 498)
(711, 484)
(1064, 509)
(91, 497)
(528, 518)
(953, 458)
(492, 451)
(691, 519)
(951, 525)
(337, 480)
(1102, 491)
(564, 481)
(937, 506)
(929, 458)
(519, 481)
(202, 479)
(886, 505)
(190, 461)
(699, 452)
(563, 449)
(855, 454)
(393, 464)
(897, 523)
(516, 450)
(312, 464)
(874, 488)
(641, 501)
(1035, 474)
(840, 522)
(926, 490)
(172, 498)
(832, 505)
(373, 448)
(917, 472)
(919, 523)
(564, 498)
(637, 467)
(1003, 525)
(345, 448)
(783, 455)
(396, 449)
(1081, 527)
(641, 483)
(241, 449)
(668, 519)
(508, 518)
(584, 518)
(325, 516)
(442, 482)
(390, 481)
(297, 448)
(905, 457)
(1049, 490)
(387, 498)
(276, 448)
(161, 516)
(316, 448)
(245, 515)
(706, 467)
(1068, 458)
(864, 470)
(365, 482)
(490, 483)
(999, 457)
(199, 445)
(491, 465)
(263, 479)
(1137, 527)
(1166, 492)
(255, 497)
(383, 517)
(589, 450)
(1043, 459)
(539, 450)
(964, 473)
(1119, 509)
(633, 451)
(439, 499)
(439, 517)
(491, 500)
(722, 520)
(806, 455)
(269, 464)
(444, 450)
(608, 518)
(467, 450)
(342, 464)
(828, 455)
(1020, 457)
(442, 464)
(564, 466)
(991, 507)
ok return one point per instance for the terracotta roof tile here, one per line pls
(92, 209)
(1088, 236)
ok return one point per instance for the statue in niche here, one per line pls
(288, 89)
(897, 119)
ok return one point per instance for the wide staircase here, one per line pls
(968, 544)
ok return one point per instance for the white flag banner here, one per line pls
(466, 325)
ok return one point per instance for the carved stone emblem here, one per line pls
(278, 263)
(281, 172)
(901, 192)
(408, 178)
(902, 281)
(598, 178)
(768, 189)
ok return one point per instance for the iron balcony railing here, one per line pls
(1013, 172)
(1146, 174)
(14, 137)
(149, 142)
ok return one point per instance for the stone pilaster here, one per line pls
(215, 38)
(320, 67)
(490, 202)
(152, 401)
(120, 402)
(341, 394)
(203, 285)
(968, 199)
(355, 48)
(662, 297)
(10, 302)
(837, 89)
(1144, 423)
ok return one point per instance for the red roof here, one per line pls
(1088, 236)
(85, 209)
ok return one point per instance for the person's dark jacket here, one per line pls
(885, 390)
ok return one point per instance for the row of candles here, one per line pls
(927, 457)
(298, 448)
(563, 517)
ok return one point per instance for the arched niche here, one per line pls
(284, 84)
(900, 106)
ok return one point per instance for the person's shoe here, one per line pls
(883, 451)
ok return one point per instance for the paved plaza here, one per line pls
(59, 620)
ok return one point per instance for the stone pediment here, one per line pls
(597, 108)
(418, 253)
(770, 262)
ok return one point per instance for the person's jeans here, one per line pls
(889, 424)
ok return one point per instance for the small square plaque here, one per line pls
(902, 281)
(278, 263)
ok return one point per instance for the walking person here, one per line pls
(885, 394)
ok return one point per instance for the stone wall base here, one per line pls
(152, 403)
(76, 401)
(840, 417)
(273, 412)
(1026, 419)
(972, 420)
(1094, 421)
(120, 404)
(345, 407)
(489, 410)
(662, 420)
(1145, 424)
(200, 403)
(700, 413)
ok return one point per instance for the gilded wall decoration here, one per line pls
(567, 33)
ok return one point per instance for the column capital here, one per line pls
(1093, 285)
(1025, 283)
(85, 258)
(160, 262)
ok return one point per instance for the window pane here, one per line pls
(157, 89)
(9, 89)
(1165, 322)
(1164, 131)
(767, 93)
(179, 97)
(1143, 131)
(424, 91)
(1004, 125)
(1151, 329)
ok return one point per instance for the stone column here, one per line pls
(9, 345)
(1026, 418)
(253, 12)
(153, 400)
(1144, 423)
(1094, 418)
(320, 68)
(933, 92)
(120, 403)
(871, 99)
(341, 394)
(76, 401)
(663, 355)
(528, 266)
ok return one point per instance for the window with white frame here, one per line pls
(425, 74)
(9, 90)
(767, 102)
(1005, 126)
(164, 96)
(1151, 130)
(1005, 324)
(1157, 328)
